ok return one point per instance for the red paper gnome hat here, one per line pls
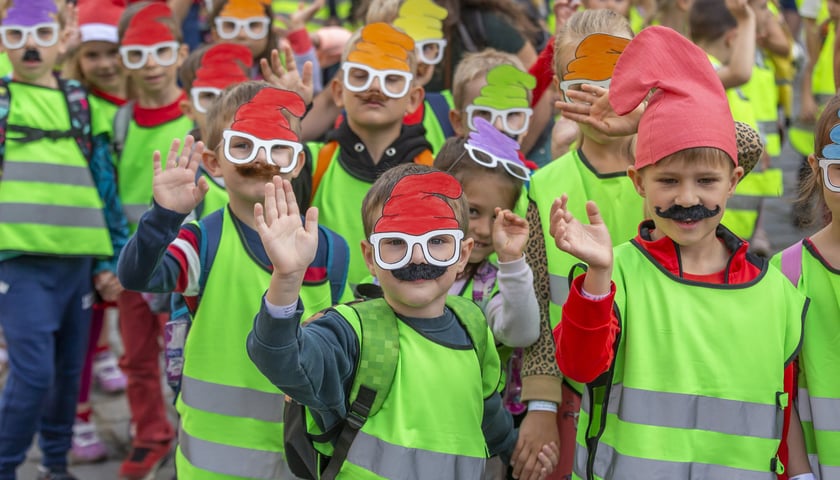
(222, 65)
(689, 107)
(98, 20)
(145, 27)
(415, 206)
(263, 116)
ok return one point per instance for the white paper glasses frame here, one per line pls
(164, 53)
(372, 73)
(829, 173)
(519, 171)
(420, 49)
(567, 84)
(473, 110)
(259, 144)
(196, 93)
(44, 35)
(256, 28)
(411, 241)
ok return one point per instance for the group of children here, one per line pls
(373, 302)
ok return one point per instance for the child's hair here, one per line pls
(811, 188)
(709, 20)
(221, 113)
(454, 159)
(272, 40)
(476, 65)
(381, 189)
(186, 74)
(357, 37)
(701, 156)
(132, 10)
(585, 23)
(383, 11)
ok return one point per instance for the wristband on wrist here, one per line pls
(542, 406)
(804, 476)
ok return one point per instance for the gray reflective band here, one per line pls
(825, 413)
(47, 173)
(695, 412)
(55, 215)
(394, 461)
(559, 287)
(228, 460)
(828, 472)
(744, 202)
(232, 401)
(134, 212)
(581, 455)
(768, 128)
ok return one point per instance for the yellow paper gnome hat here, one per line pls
(421, 19)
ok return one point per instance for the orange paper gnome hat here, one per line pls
(595, 57)
(382, 47)
(415, 206)
(222, 65)
(689, 107)
(146, 28)
(263, 116)
(244, 8)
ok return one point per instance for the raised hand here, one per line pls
(175, 187)
(592, 107)
(510, 234)
(289, 243)
(287, 77)
(71, 35)
(590, 243)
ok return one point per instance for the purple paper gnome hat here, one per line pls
(26, 13)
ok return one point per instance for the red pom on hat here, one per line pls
(689, 107)
(415, 206)
(145, 27)
(98, 19)
(263, 116)
(222, 65)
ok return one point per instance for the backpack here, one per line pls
(122, 119)
(375, 370)
(791, 263)
(77, 106)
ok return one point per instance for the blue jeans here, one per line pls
(45, 310)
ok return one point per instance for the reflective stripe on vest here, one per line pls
(134, 212)
(53, 215)
(34, 171)
(232, 401)
(228, 460)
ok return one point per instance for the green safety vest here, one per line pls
(681, 399)
(764, 98)
(417, 429)
(105, 111)
(819, 362)
(134, 167)
(288, 7)
(231, 414)
(216, 197)
(49, 204)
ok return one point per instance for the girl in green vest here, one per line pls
(813, 265)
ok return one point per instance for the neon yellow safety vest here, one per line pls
(764, 98)
(682, 400)
(431, 432)
(819, 362)
(321, 17)
(104, 111)
(231, 415)
(216, 198)
(134, 167)
(49, 204)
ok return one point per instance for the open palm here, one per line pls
(590, 243)
(289, 243)
(510, 234)
(175, 187)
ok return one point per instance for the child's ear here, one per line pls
(187, 109)
(183, 51)
(636, 178)
(455, 118)
(300, 164)
(467, 245)
(813, 163)
(737, 175)
(337, 90)
(211, 163)
(416, 95)
(367, 253)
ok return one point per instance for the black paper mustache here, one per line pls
(31, 55)
(418, 271)
(689, 214)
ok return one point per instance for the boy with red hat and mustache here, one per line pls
(443, 413)
(683, 338)
(229, 411)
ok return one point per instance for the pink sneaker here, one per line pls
(108, 375)
(87, 446)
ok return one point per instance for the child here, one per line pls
(60, 226)
(246, 22)
(813, 265)
(443, 413)
(377, 89)
(661, 346)
(227, 408)
(496, 277)
(151, 50)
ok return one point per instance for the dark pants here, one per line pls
(45, 309)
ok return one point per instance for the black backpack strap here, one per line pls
(441, 108)
(356, 418)
(78, 107)
(5, 101)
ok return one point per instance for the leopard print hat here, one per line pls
(749, 146)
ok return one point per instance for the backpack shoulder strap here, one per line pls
(325, 155)
(472, 318)
(121, 122)
(338, 262)
(5, 102)
(792, 262)
(441, 108)
(78, 107)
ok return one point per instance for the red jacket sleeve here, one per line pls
(586, 334)
(543, 71)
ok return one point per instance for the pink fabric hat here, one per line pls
(689, 107)
(98, 19)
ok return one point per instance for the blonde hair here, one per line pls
(476, 65)
(582, 24)
(383, 11)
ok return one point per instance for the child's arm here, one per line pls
(587, 330)
(513, 315)
(145, 264)
(739, 68)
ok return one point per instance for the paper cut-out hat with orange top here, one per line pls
(98, 20)
(223, 65)
(382, 47)
(415, 205)
(595, 57)
(145, 27)
(689, 107)
(244, 8)
(263, 116)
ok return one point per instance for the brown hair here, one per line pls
(709, 20)
(384, 185)
(582, 24)
(811, 187)
(186, 74)
(221, 113)
(454, 159)
(707, 156)
(476, 65)
(128, 14)
(272, 40)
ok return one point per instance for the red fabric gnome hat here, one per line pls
(98, 20)
(415, 206)
(145, 27)
(222, 65)
(689, 107)
(263, 116)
